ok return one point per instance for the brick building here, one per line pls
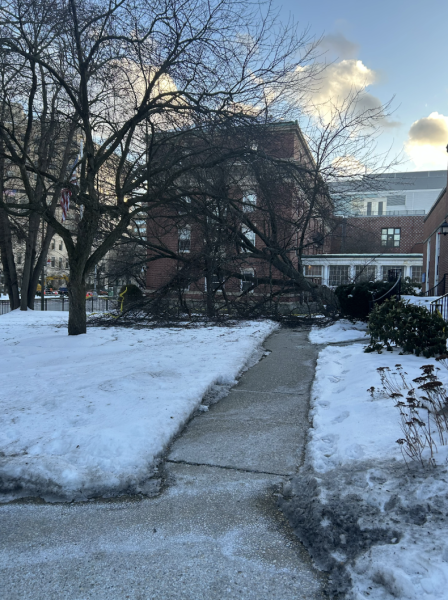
(197, 255)
(435, 247)
(381, 227)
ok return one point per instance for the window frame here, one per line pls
(252, 237)
(340, 280)
(391, 237)
(360, 269)
(251, 272)
(181, 237)
(249, 202)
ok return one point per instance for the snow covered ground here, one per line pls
(380, 526)
(89, 415)
(341, 331)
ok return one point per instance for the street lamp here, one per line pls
(444, 228)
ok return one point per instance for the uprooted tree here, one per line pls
(251, 218)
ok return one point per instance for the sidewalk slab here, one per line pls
(215, 534)
(255, 431)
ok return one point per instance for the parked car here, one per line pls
(91, 293)
(63, 291)
(47, 291)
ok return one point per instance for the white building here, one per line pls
(399, 194)
(337, 269)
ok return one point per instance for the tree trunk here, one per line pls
(39, 265)
(77, 320)
(7, 258)
(30, 257)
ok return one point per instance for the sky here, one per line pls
(398, 48)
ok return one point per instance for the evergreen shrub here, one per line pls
(354, 298)
(411, 327)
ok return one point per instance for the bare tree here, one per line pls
(31, 141)
(133, 78)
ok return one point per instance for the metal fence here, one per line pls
(439, 289)
(440, 306)
(62, 304)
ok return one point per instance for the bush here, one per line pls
(354, 298)
(133, 295)
(408, 287)
(411, 327)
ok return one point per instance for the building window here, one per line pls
(249, 202)
(339, 275)
(396, 200)
(60, 263)
(380, 209)
(249, 235)
(416, 276)
(53, 245)
(184, 239)
(60, 245)
(394, 272)
(216, 283)
(247, 284)
(19, 259)
(390, 237)
(365, 273)
(66, 263)
(369, 209)
(53, 261)
(312, 270)
(140, 228)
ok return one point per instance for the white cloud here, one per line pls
(340, 84)
(340, 79)
(427, 141)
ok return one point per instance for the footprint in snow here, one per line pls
(334, 379)
(341, 417)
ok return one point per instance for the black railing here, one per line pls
(439, 289)
(62, 304)
(395, 290)
(440, 306)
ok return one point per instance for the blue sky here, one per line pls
(403, 46)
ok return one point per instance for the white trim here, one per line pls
(437, 260)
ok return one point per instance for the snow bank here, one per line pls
(89, 415)
(424, 301)
(341, 331)
(377, 524)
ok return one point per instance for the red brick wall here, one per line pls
(284, 142)
(356, 230)
(436, 217)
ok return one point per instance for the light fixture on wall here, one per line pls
(444, 228)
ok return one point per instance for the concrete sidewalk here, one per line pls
(213, 533)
